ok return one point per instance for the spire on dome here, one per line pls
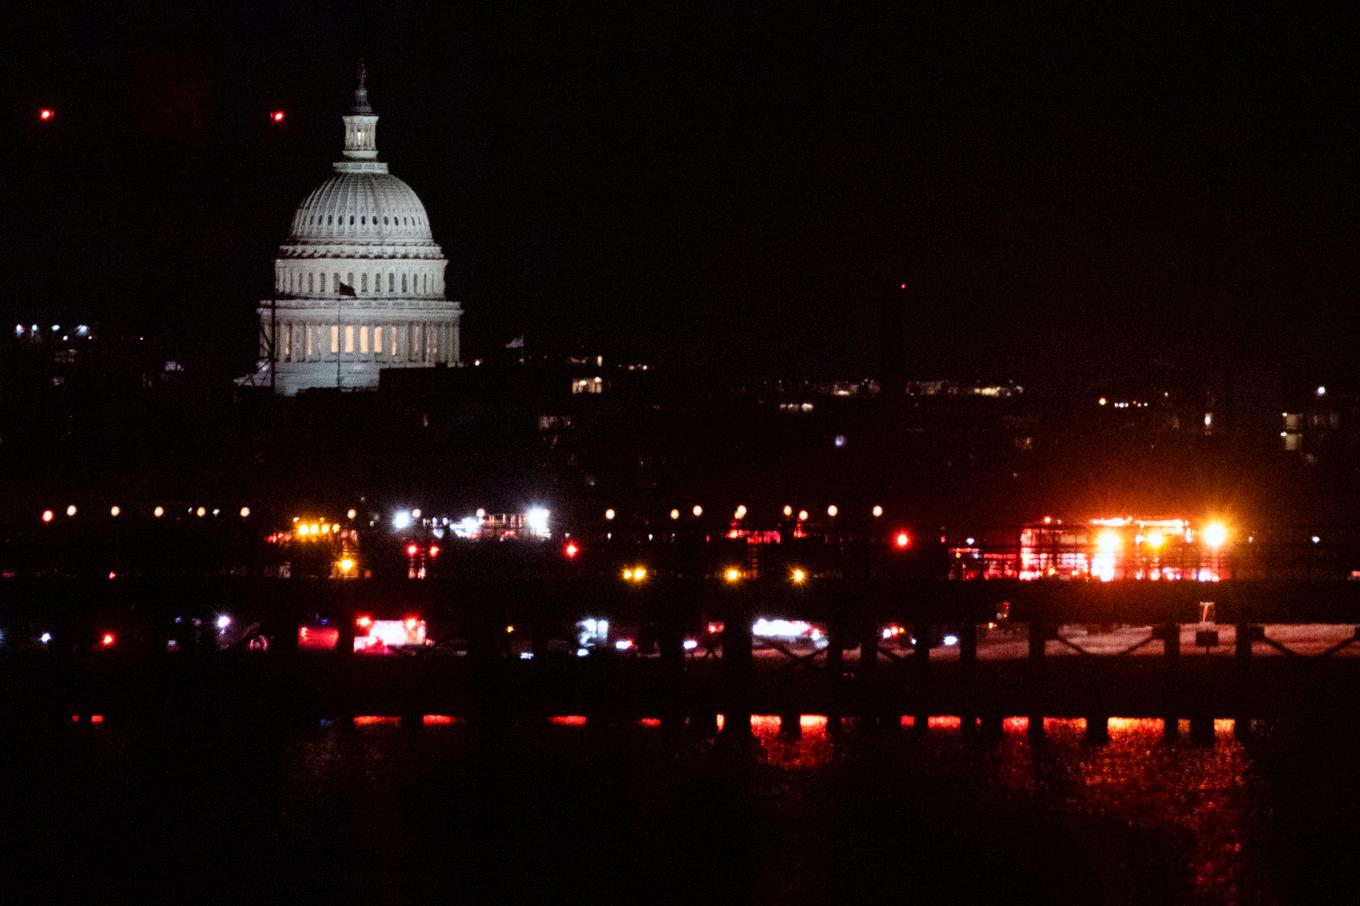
(361, 130)
(361, 105)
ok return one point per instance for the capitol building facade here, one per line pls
(359, 283)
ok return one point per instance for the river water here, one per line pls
(382, 813)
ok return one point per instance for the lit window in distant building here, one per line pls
(588, 385)
(378, 340)
(335, 338)
(363, 340)
(349, 338)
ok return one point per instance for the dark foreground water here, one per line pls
(384, 814)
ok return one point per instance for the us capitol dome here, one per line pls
(359, 283)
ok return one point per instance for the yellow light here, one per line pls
(115, 510)
(346, 564)
(639, 573)
(481, 513)
(245, 512)
(802, 515)
(325, 528)
(609, 515)
(415, 514)
(788, 510)
(1102, 401)
(675, 514)
(510, 629)
(627, 574)
(697, 511)
(1155, 539)
(1215, 535)
(878, 511)
(335, 527)
(201, 512)
(799, 576)
(302, 530)
(732, 575)
(351, 513)
(158, 512)
(832, 510)
(1108, 541)
(740, 512)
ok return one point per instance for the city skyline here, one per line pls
(1064, 195)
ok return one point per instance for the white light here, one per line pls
(45, 637)
(609, 514)
(623, 645)
(780, 629)
(878, 511)
(537, 522)
(1321, 391)
(223, 621)
(481, 513)
(401, 520)
(158, 512)
(582, 652)
(740, 512)
(71, 510)
(833, 510)
(415, 514)
(245, 512)
(351, 513)
(115, 511)
(689, 644)
(697, 511)
(526, 655)
(468, 527)
(951, 640)
(1316, 539)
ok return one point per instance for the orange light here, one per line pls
(276, 116)
(108, 639)
(731, 575)
(798, 576)
(46, 113)
(903, 540)
(570, 550)
(364, 622)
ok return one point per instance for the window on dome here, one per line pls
(384, 221)
(391, 282)
(336, 283)
(311, 286)
(363, 283)
(335, 339)
(323, 281)
(363, 340)
(362, 220)
(349, 338)
(377, 340)
(403, 283)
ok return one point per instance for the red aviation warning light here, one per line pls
(570, 550)
(412, 549)
(434, 551)
(902, 540)
(276, 116)
(46, 114)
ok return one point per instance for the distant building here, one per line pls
(359, 284)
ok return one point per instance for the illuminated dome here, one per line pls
(359, 283)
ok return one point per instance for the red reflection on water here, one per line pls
(438, 720)
(650, 722)
(376, 720)
(567, 720)
(944, 722)
(96, 718)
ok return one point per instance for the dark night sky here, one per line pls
(1062, 190)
